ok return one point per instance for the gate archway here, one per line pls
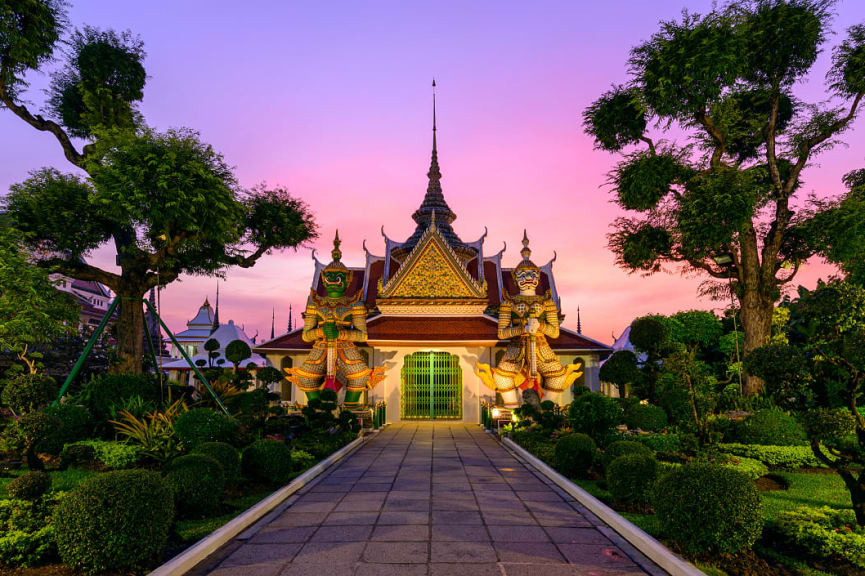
(432, 387)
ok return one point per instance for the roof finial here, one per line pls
(434, 173)
(289, 318)
(336, 252)
(579, 323)
(526, 252)
(272, 322)
(216, 312)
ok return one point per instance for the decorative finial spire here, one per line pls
(526, 252)
(434, 173)
(272, 322)
(216, 312)
(336, 253)
(579, 323)
(432, 219)
(289, 318)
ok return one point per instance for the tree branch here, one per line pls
(651, 144)
(716, 135)
(43, 125)
(249, 261)
(770, 146)
(80, 270)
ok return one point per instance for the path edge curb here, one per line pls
(201, 550)
(654, 550)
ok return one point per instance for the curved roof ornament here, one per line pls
(553, 259)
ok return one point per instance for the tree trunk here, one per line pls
(857, 496)
(130, 334)
(756, 316)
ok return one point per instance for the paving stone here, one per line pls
(593, 557)
(460, 569)
(403, 517)
(518, 534)
(359, 505)
(409, 505)
(459, 533)
(254, 570)
(407, 495)
(455, 504)
(456, 517)
(508, 518)
(350, 518)
(252, 555)
(396, 553)
(365, 569)
(316, 570)
(301, 506)
(329, 553)
(270, 535)
(292, 519)
(532, 553)
(406, 533)
(462, 552)
(577, 536)
(343, 533)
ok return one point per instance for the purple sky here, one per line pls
(332, 100)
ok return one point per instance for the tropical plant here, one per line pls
(154, 432)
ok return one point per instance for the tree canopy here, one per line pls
(722, 188)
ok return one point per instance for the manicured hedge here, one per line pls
(664, 443)
(115, 455)
(31, 486)
(595, 414)
(26, 532)
(645, 417)
(770, 427)
(707, 508)
(268, 460)
(574, 454)
(226, 455)
(623, 447)
(28, 392)
(117, 521)
(752, 468)
(631, 478)
(197, 482)
(824, 533)
(775, 457)
(201, 425)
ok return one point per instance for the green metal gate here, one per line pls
(432, 387)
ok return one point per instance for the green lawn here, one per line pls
(61, 481)
(806, 490)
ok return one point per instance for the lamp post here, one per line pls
(726, 261)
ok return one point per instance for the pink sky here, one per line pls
(332, 100)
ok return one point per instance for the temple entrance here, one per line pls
(432, 387)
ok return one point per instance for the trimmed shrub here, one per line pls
(115, 455)
(26, 532)
(623, 447)
(103, 392)
(76, 455)
(201, 425)
(268, 460)
(594, 414)
(114, 521)
(537, 441)
(574, 454)
(707, 508)
(752, 468)
(31, 486)
(645, 417)
(631, 478)
(770, 428)
(197, 482)
(775, 457)
(824, 533)
(74, 424)
(28, 392)
(301, 460)
(663, 443)
(227, 457)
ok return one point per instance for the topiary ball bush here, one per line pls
(226, 455)
(574, 454)
(74, 424)
(708, 508)
(114, 521)
(197, 482)
(201, 425)
(646, 417)
(268, 460)
(594, 414)
(31, 486)
(770, 427)
(624, 447)
(29, 392)
(631, 478)
(79, 455)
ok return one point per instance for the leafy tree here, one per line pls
(651, 336)
(236, 352)
(726, 81)
(827, 326)
(211, 346)
(32, 311)
(167, 201)
(620, 369)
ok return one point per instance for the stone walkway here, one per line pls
(430, 499)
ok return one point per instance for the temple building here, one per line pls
(433, 302)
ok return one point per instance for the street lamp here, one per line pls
(726, 261)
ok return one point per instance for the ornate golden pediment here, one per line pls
(432, 271)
